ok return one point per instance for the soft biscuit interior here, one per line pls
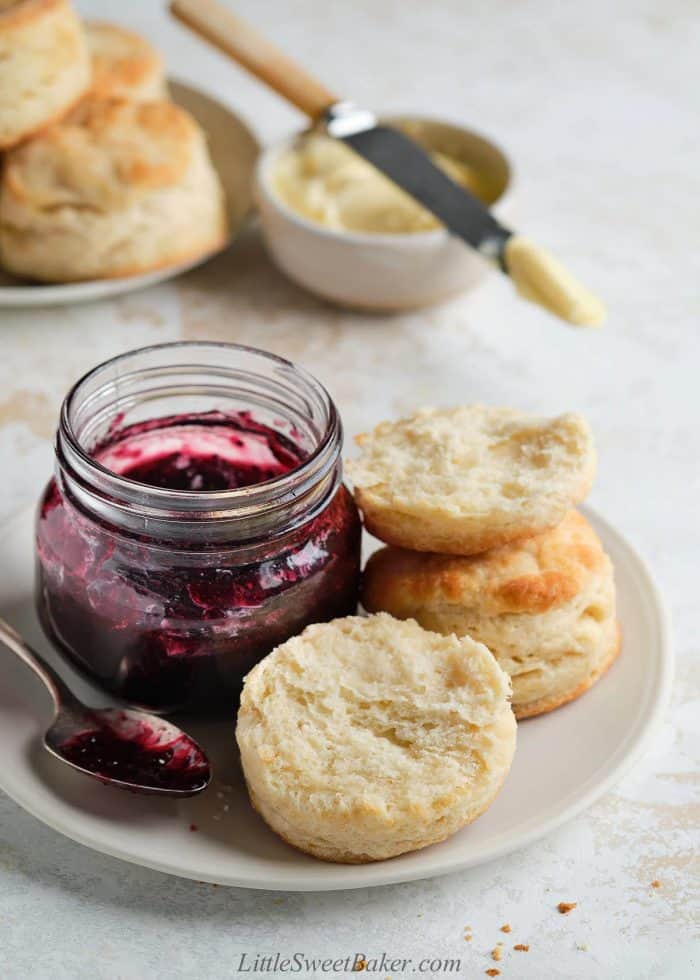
(340, 715)
(474, 459)
(366, 737)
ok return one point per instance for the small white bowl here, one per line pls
(383, 272)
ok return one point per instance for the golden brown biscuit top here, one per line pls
(14, 12)
(106, 151)
(120, 58)
(531, 576)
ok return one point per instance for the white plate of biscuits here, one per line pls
(483, 700)
(113, 177)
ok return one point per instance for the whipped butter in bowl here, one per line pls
(338, 227)
(323, 180)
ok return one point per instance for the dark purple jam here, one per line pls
(203, 453)
(140, 755)
(169, 625)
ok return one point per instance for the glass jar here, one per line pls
(167, 588)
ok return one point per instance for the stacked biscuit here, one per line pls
(365, 738)
(102, 175)
(476, 507)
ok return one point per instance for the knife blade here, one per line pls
(404, 162)
(536, 274)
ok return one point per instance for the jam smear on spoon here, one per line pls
(140, 754)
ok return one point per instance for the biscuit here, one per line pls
(462, 480)
(364, 738)
(124, 65)
(118, 188)
(44, 65)
(545, 607)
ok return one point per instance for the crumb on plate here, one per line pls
(566, 907)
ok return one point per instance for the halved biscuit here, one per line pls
(367, 737)
(117, 189)
(463, 480)
(545, 607)
(44, 65)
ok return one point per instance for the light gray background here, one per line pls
(597, 104)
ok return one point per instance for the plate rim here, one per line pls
(40, 295)
(627, 754)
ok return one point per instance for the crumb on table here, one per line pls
(505, 927)
(566, 907)
(522, 947)
(496, 953)
(656, 883)
(493, 972)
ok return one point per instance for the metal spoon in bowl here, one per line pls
(130, 749)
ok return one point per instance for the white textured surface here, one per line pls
(597, 106)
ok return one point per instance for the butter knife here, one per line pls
(537, 275)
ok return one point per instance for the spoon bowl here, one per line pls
(120, 747)
(131, 750)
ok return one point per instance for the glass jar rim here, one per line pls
(170, 506)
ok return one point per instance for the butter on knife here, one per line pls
(542, 279)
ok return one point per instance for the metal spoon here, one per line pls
(130, 749)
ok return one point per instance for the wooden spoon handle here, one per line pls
(249, 48)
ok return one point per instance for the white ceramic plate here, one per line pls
(564, 761)
(234, 151)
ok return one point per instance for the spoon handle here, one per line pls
(54, 684)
